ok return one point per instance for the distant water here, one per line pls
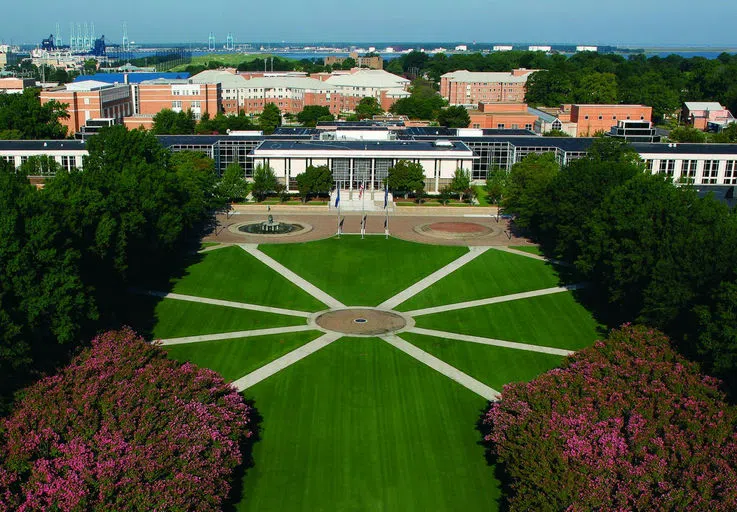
(687, 55)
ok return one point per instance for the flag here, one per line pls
(360, 191)
(386, 223)
(337, 198)
(363, 222)
(341, 223)
(386, 195)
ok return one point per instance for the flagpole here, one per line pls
(337, 204)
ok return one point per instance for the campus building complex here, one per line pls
(471, 88)
(586, 120)
(440, 151)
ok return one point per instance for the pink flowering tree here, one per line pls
(123, 428)
(626, 424)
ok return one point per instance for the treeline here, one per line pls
(69, 251)
(23, 117)
(275, 64)
(663, 83)
(655, 253)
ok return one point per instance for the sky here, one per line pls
(619, 23)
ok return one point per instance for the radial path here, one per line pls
(294, 278)
(230, 304)
(491, 341)
(236, 334)
(474, 252)
(494, 300)
(286, 360)
(440, 366)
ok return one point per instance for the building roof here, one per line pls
(41, 145)
(548, 118)
(87, 85)
(288, 82)
(133, 78)
(687, 149)
(165, 81)
(479, 76)
(373, 78)
(704, 105)
(226, 79)
(351, 145)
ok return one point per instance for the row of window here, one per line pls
(614, 118)
(709, 171)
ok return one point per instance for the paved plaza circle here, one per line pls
(454, 230)
(361, 321)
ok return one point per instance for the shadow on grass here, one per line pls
(491, 459)
(236, 490)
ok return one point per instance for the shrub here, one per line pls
(123, 428)
(624, 425)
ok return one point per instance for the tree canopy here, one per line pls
(23, 117)
(168, 122)
(121, 427)
(264, 182)
(454, 117)
(368, 107)
(233, 186)
(311, 114)
(315, 180)
(626, 424)
(406, 177)
(270, 118)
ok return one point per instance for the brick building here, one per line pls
(502, 116)
(471, 88)
(591, 119)
(91, 100)
(15, 85)
(707, 115)
(372, 62)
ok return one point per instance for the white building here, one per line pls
(503, 48)
(539, 48)
(462, 48)
(587, 48)
(370, 82)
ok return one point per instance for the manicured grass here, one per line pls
(494, 366)
(176, 318)
(205, 245)
(550, 320)
(492, 274)
(362, 272)
(481, 195)
(360, 426)
(235, 358)
(229, 59)
(532, 249)
(233, 274)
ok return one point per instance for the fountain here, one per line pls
(270, 227)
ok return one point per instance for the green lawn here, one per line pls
(360, 426)
(229, 59)
(235, 358)
(233, 274)
(481, 195)
(362, 272)
(176, 318)
(494, 366)
(492, 274)
(532, 249)
(555, 320)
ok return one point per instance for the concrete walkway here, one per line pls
(494, 300)
(491, 342)
(449, 371)
(294, 278)
(473, 253)
(229, 304)
(236, 334)
(533, 256)
(285, 361)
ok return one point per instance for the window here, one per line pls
(730, 173)
(614, 118)
(601, 117)
(67, 162)
(196, 104)
(667, 167)
(688, 171)
(710, 172)
(476, 125)
(176, 104)
(585, 117)
(649, 165)
(528, 126)
(500, 126)
(86, 101)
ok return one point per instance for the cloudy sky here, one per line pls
(623, 22)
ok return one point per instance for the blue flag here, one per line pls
(337, 198)
(386, 195)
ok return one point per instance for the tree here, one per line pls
(40, 165)
(168, 122)
(597, 88)
(89, 67)
(454, 117)
(445, 195)
(406, 177)
(196, 173)
(461, 182)
(264, 182)
(687, 134)
(311, 114)
(314, 180)
(23, 117)
(121, 427)
(528, 183)
(626, 424)
(348, 63)
(549, 87)
(270, 118)
(424, 102)
(368, 107)
(497, 184)
(555, 133)
(728, 135)
(232, 186)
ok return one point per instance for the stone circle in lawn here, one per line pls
(361, 321)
